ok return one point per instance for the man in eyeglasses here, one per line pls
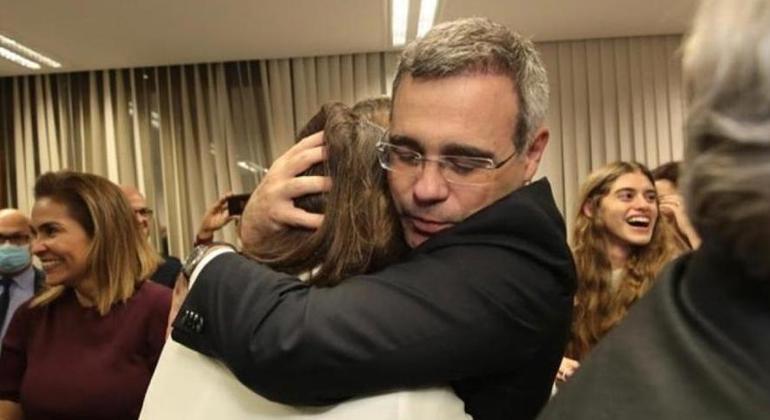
(18, 278)
(483, 301)
(167, 272)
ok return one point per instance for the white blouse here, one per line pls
(188, 385)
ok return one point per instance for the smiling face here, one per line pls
(630, 210)
(467, 115)
(60, 243)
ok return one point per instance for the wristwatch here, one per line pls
(197, 254)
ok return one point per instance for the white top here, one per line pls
(188, 385)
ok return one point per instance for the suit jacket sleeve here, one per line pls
(456, 312)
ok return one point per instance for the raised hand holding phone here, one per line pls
(219, 215)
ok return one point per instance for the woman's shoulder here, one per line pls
(154, 295)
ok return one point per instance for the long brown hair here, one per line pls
(597, 306)
(119, 257)
(360, 232)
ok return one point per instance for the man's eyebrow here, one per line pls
(454, 149)
(459, 149)
(406, 141)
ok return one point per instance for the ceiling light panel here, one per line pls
(12, 45)
(399, 19)
(16, 58)
(427, 16)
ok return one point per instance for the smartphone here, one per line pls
(236, 203)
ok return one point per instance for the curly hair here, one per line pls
(598, 306)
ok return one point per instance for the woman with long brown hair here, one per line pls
(87, 345)
(696, 346)
(619, 244)
(360, 230)
(359, 234)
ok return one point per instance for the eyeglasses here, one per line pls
(16, 239)
(143, 212)
(456, 169)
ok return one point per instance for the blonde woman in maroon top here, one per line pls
(86, 346)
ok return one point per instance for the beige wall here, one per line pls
(187, 126)
(610, 99)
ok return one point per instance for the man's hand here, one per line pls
(216, 218)
(271, 207)
(672, 207)
(567, 368)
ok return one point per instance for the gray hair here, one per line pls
(478, 45)
(727, 167)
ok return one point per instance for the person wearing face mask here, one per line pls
(19, 280)
(619, 244)
(84, 347)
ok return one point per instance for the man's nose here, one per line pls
(430, 186)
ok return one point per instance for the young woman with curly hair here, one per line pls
(619, 244)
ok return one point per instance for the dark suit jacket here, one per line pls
(484, 306)
(697, 346)
(167, 272)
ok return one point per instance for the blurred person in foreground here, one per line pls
(697, 345)
(481, 302)
(86, 346)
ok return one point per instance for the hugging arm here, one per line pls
(452, 314)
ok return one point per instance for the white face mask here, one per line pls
(14, 258)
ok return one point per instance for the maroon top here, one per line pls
(65, 361)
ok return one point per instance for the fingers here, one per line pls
(303, 185)
(670, 199)
(567, 368)
(303, 219)
(313, 140)
(300, 157)
(223, 199)
(666, 207)
(304, 160)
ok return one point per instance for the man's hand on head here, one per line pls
(271, 207)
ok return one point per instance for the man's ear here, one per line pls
(535, 152)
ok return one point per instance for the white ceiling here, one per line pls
(99, 34)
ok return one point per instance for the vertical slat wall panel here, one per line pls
(550, 165)
(609, 115)
(566, 114)
(310, 82)
(675, 95)
(610, 99)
